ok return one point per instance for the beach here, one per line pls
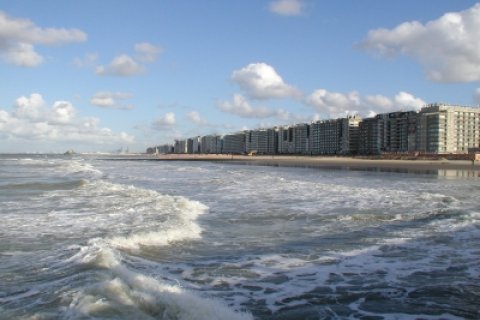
(314, 161)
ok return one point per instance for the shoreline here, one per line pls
(311, 161)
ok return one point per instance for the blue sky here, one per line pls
(100, 75)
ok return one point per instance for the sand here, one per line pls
(317, 161)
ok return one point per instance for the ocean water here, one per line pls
(85, 238)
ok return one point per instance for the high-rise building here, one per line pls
(211, 144)
(301, 138)
(234, 143)
(262, 141)
(445, 128)
(286, 143)
(338, 136)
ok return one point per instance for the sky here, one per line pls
(97, 76)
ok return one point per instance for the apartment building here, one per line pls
(286, 143)
(211, 144)
(180, 146)
(337, 136)
(262, 141)
(234, 143)
(445, 128)
(393, 132)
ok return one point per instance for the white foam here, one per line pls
(137, 295)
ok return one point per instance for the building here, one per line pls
(286, 144)
(180, 146)
(301, 138)
(394, 132)
(234, 143)
(338, 136)
(193, 145)
(211, 144)
(262, 141)
(445, 128)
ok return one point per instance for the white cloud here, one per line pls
(447, 48)
(18, 37)
(195, 117)
(89, 60)
(147, 52)
(29, 107)
(335, 104)
(167, 121)
(33, 120)
(287, 7)
(261, 81)
(62, 112)
(241, 107)
(407, 100)
(111, 100)
(125, 65)
(121, 66)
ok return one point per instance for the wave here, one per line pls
(130, 294)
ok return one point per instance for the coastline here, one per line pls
(313, 161)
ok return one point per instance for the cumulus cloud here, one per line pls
(29, 107)
(33, 120)
(287, 7)
(335, 104)
(261, 81)
(18, 38)
(111, 100)
(241, 107)
(195, 117)
(89, 60)
(167, 121)
(121, 66)
(448, 48)
(124, 65)
(147, 52)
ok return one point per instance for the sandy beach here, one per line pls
(315, 161)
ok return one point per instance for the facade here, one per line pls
(286, 144)
(369, 141)
(211, 144)
(338, 136)
(393, 132)
(234, 143)
(262, 141)
(301, 138)
(448, 129)
(180, 146)
(193, 145)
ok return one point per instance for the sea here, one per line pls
(86, 237)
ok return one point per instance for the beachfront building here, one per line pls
(301, 138)
(180, 146)
(445, 128)
(193, 145)
(165, 148)
(400, 130)
(234, 143)
(262, 141)
(337, 136)
(393, 132)
(369, 136)
(211, 144)
(286, 144)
